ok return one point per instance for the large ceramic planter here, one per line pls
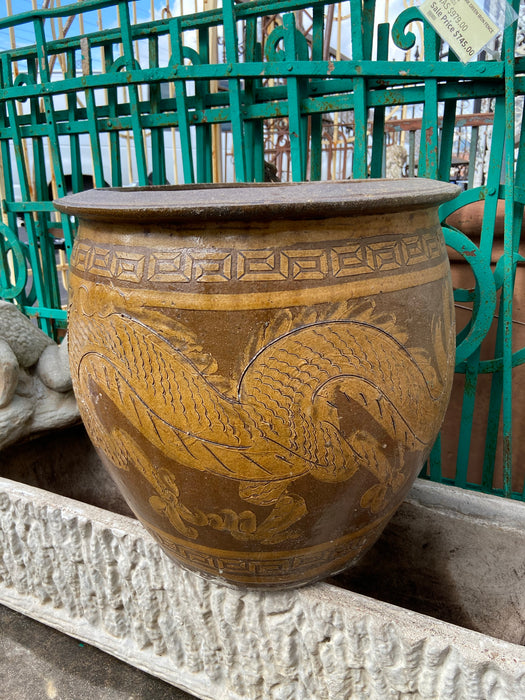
(263, 368)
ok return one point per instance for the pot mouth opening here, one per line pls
(263, 201)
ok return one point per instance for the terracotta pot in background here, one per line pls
(263, 368)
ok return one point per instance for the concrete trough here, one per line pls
(435, 610)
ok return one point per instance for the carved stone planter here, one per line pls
(98, 576)
(263, 368)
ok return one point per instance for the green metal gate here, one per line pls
(178, 89)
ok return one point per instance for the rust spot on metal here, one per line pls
(331, 67)
(84, 52)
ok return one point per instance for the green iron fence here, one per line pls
(159, 101)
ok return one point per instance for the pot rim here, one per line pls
(261, 201)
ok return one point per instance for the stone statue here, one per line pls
(396, 157)
(35, 382)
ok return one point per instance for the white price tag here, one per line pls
(462, 24)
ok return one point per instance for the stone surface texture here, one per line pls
(53, 367)
(35, 382)
(25, 339)
(9, 369)
(447, 557)
(38, 662)
(99, 577)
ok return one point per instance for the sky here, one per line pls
(91, 20)
(107, 18)
(143, 8)
(140, 11)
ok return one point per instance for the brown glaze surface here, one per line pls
(263, 392)
(256, 201)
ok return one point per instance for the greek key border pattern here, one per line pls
(289, 567)
(321, 264)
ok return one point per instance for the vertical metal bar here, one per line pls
(492, 192)
(472, 363)
(158, 152)
(485, 252)
(428, 151)
(41, 49)
(40, 192)
(360, 156)
(5, 157)
(232, 48)
(378, 127)
(36, 141)
(316, 120)
(518, 216)
(411, 153)
(253, 131)
(114, 138)
(473, 148)
(203, 133)
(368, 16)
(7, 192)
(177, 59)
(74, 141)
(445, 160)
(56, 156)
(96, 153)
(40, 177)
(467, 417)
(508, 256)
(296, 121)
(134, 102)
(447, 135)
(434, 461)
(296, 48)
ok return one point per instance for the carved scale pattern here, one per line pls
(99, 577)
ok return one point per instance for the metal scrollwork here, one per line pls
(122, 63)
(485, 302)
(404, 38)
(274, 52)
(21, 80)
(10, 289)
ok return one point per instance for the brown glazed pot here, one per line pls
(263, 368)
